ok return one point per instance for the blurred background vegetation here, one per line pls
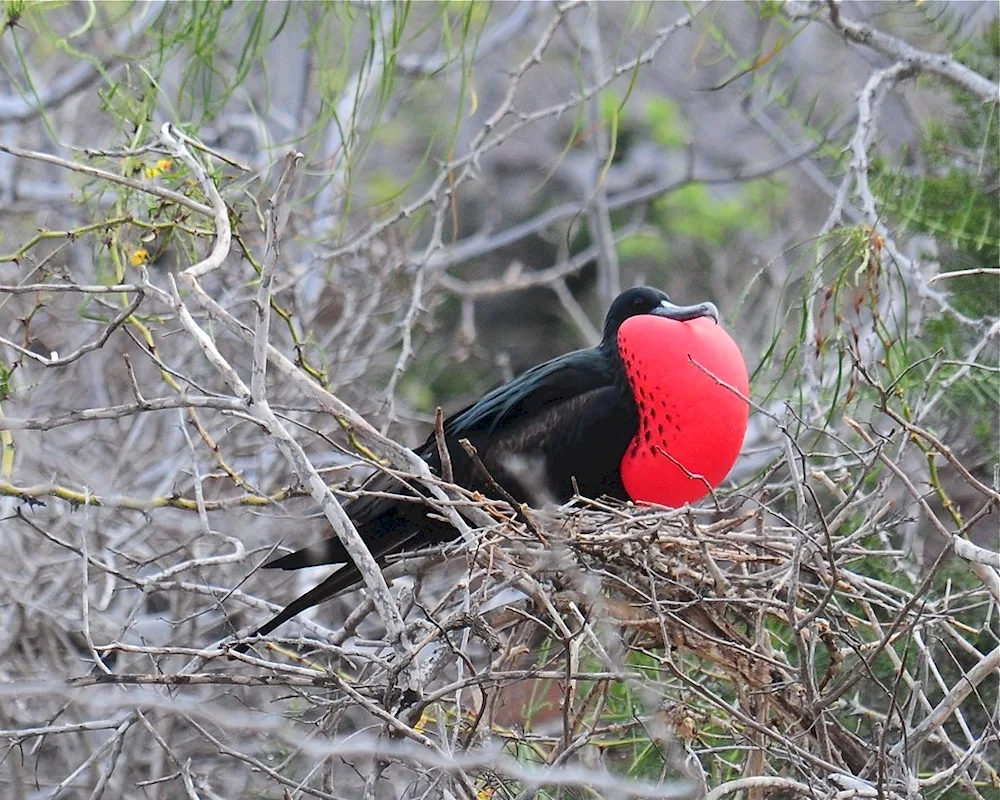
(480, 179)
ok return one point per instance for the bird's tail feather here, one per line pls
(328, 551)
(343, 578)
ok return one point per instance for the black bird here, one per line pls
(569, 419)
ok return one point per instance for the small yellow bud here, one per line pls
(139, 257)
(161, 166)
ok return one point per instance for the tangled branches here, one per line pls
(698, 634)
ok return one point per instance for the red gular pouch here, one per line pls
(689, 381)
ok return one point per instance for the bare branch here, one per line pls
(110, 177)
(940, 64)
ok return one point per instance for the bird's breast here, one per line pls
(690, 385)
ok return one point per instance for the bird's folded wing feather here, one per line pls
(500, 419)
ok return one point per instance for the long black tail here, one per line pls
(327, 551)
(402, 526)
(342, 579)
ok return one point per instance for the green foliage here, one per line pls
(12, 11)
(131, 105)
(666, 123)
(979, 390)
(958, 198)
(957, 202)
(956, 208)
(643, 246)
(198, 29)
(383, 186)
(695, 212)
(5, 373)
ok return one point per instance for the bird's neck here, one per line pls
(612, 355)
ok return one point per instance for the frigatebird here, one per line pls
(562, 427)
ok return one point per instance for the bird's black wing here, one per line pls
(567, 446)
(503, 415)
(568, 419)
(564, 453)
(557, 411)
(550, 384)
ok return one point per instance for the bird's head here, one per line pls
(647, 300)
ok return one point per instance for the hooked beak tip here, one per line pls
(686, 313)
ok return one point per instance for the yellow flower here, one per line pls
(139, 257)
(161, 166)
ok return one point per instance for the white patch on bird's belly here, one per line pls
(529, 473)
(517, 454)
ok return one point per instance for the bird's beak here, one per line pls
(685, 313)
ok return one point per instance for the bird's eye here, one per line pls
(638, 302)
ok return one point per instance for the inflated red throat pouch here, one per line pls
(689, 380)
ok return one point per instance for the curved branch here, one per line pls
(940, 64)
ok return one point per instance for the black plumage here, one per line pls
(567, 420)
